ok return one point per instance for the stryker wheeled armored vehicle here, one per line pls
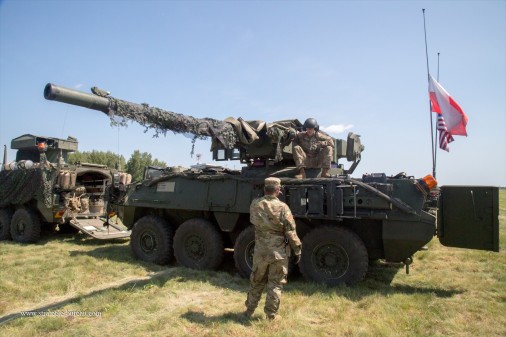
(343, 222)
(40, 189)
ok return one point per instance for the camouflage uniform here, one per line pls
(274, 224)
(312, 151)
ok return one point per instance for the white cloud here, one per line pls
(336, 128)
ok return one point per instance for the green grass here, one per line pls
(449, 292)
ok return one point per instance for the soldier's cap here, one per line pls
(272, 182)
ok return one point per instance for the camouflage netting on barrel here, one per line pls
(162, 120)
(18, 187)
(227, 133)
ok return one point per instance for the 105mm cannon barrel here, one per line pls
(150, 117)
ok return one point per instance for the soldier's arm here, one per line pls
(325, 140)
(290, 232)
(296, 139)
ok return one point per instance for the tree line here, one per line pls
(135, 164)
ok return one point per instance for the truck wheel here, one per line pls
(333, 255)
(243, 251)
(5, 223)
(25, 226)
(198, 245)
(151, 240)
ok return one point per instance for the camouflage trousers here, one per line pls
(273, 275)
(321, 159)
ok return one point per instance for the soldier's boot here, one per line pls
(325, 173)
(274, 317)
(248, 313)
(301, 174)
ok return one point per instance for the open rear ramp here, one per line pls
(100, 229)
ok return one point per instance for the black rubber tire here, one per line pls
(244, 247)
(25, 226)
(243, 253)
(152, 240)
(198, 245)
(333, 255)
(5, 223)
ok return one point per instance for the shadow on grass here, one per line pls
(119, 253)
(199, 317)
(378, 280)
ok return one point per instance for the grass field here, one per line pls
(449, 292)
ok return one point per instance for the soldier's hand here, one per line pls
(297, 258)
(322, 144)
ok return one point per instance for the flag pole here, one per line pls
(435, 134)
(430, 110)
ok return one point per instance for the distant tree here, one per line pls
(138, 161)
(108, 158)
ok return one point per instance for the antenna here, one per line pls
(119, 158)
(435, 134)
(430, 109)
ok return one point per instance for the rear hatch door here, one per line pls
(468, 217)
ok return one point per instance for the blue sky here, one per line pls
(357, 66)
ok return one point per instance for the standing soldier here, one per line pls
(274, 235)
(312, 149)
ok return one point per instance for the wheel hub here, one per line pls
(148, 242)
(195, 247)
(20, 226)
(330, 259)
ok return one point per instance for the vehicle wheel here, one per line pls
(152, 239)
(198, 245)
(333, 255)
(243, 251)
(5, 223)
(244, 248)
(25, 226)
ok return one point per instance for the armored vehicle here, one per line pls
(40, 189)
(197, 213)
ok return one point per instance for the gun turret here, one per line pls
(254, 142)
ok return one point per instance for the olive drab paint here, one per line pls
(343, 222)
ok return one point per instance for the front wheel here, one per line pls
(25, 226)
(5, 223)
(333, 255)
(198, 245)
(151, 240)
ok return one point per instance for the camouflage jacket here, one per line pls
(312, 144)
(274, 223)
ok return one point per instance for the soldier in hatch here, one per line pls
(312, 149)
(274, 227)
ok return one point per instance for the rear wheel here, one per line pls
(243, 251)
(198, 245)
(333, 255)
(25, 226)
(152, 240)
(5, 223)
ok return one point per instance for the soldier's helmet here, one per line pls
(311, 123)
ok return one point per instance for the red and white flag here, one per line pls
(451, 119)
